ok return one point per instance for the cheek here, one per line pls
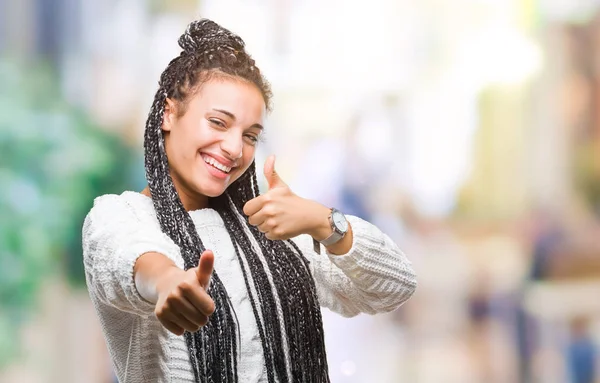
(180, 151)
(248, 154)
(188, 141)
(247, 158)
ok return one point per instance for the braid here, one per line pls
(219, 335)
(281, 289)
(299, 309)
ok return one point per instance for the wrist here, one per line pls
(321, 228)
(151, 273)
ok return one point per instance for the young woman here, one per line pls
(198, 278)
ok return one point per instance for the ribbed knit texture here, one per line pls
(373, 277)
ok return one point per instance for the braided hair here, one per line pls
(281, 289)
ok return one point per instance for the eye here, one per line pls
(251, 138)
(218, 123)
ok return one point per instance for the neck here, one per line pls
(189, 199)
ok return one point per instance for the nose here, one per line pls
(233, 145)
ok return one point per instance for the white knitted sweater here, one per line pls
(374, 277)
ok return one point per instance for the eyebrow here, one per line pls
(232, 116)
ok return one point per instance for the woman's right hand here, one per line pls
(183, 303)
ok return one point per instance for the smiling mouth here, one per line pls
(216, 164)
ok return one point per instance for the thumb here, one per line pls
(205, 268)
(271, 175)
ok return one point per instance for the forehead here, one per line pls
(237, 96)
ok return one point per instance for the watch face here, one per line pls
(339, 221)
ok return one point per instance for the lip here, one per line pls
(215, 172)
(222, 160)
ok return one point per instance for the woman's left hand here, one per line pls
(281, 214)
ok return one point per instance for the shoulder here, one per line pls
(108, 201)
(126, 220)
(127, 206)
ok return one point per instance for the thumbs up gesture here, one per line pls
(280, 214)
(271, 175)
(183, 302)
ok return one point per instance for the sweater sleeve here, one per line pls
(113, 239)
(373, 277)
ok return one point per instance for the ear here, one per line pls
(169, 115)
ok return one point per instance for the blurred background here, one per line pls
(468, 130)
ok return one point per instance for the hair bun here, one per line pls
(202, 36)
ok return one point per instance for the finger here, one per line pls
(270, 235)
(258, 218)
(190, 312)
(201, 301)
(271, 175)
(205, 268)
(254, 205)
(266, 226)
(172, 327)
(183, 322)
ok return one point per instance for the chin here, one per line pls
(211, 192)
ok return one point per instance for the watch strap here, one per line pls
(333, 238)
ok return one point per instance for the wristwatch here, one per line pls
(339, 225)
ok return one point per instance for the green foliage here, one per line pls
(53, 162)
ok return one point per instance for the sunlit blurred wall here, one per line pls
(335, 62)
(533, 123)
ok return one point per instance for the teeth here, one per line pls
(216, 164)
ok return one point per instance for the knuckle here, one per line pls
(272, 223)
(173, 297)
(163, 311)
(270, 210)
(185, 287)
